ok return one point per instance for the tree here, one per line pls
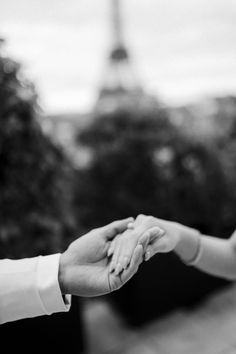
(141, 163)
(36, 214)
(35, 177)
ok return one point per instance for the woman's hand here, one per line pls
(169, 238)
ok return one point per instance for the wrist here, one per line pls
(62, 274)
(188, 243)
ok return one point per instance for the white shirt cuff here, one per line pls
(48, 285)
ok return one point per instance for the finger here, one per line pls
(159, 246)
(118, 253)
(111, 249)
(150, 236)
(122, 263)
(130, 225)
(139, 219)
(156, 233)
(134, 264)
(126, 261)
(144, 240)
(119, 268)
(148, 254)
(115, 228)
(112, 265)
(115, 256)
(153, 234)
(126, 251)
(145, 223)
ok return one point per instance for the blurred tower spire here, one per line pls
(116, 22)
(120, 84)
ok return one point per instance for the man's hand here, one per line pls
(84, 266)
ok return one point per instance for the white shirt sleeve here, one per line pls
(30, 287)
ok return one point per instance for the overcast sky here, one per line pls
(181, 49)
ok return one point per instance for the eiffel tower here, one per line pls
(120, 87)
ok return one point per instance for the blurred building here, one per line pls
(207, 119)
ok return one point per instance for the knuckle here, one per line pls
(95, 231)
(126, 257)
(155, 230)
(148, 219)
(140, 216)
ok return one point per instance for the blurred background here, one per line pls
(110, 109)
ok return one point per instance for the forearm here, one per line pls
(217, 256)
(29, 288)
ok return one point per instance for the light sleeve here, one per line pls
(30, 288)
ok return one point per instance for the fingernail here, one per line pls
(147, 256)
(130, 225)
(109, 252)
(118, 269)
(111, 269)
(126, 263)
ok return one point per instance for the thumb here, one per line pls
(151, 236)
(160, 246)
(115, 228)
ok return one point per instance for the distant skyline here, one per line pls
(181, 49)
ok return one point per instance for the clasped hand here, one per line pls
(106, 258)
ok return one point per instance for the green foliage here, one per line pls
(35, 177)
(142, 164)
